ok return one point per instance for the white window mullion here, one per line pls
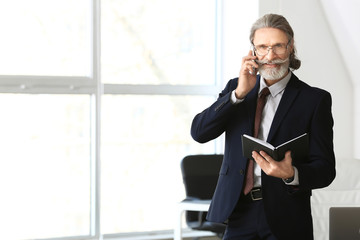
(47, 84)
(96, 123)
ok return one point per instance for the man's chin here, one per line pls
(270, 75)
(273, 73)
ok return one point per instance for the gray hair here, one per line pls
(278, 22)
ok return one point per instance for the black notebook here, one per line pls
(298, 146)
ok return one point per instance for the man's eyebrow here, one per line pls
(263, 44)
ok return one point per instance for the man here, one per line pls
(277, 204)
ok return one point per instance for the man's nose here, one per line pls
(271, 55)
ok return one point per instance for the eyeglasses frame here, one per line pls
(268, 49)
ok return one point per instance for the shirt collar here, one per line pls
(277, 87)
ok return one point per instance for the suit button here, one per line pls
(241, 172)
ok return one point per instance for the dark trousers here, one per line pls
(248, 222)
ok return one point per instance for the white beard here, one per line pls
(273, 73)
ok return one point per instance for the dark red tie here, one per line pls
(249, 182)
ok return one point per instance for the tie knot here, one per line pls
(264, 92)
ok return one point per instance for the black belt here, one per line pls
(254, 195)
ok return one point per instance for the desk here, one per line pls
(193, 205)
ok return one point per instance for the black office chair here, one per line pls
(200, 174)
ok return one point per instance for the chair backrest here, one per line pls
(344, 223)
(200, 175)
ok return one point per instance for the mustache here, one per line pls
(276, 61)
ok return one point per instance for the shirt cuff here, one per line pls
(296, 178)
(235, 100)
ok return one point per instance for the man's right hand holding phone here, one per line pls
(247, 75)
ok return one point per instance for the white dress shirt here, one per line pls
(273, 100)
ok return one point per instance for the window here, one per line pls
(46, 98)
(49, 38)
(45, 171)
(88, 138)
(151, 48)
(144, 137)
(158, 42)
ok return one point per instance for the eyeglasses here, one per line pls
(277, 49)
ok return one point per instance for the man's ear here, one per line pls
(291, 46)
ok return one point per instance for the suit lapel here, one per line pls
(290, 93)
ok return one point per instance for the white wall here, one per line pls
(343, 19)
(324, 64)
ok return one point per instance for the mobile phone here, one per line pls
(253, 72)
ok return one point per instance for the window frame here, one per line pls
(92, 86)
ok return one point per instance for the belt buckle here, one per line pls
(252, 196)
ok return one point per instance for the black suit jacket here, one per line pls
(302, 109)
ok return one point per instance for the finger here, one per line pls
(250, 69)
(250, 60)
(248, 57)
(250, 66)
(288, 157)
(266, 156)
(259, 159)
(253, 71)
(255, 156)
(288, 154)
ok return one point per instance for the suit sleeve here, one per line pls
(320, 170)
(212, 122)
